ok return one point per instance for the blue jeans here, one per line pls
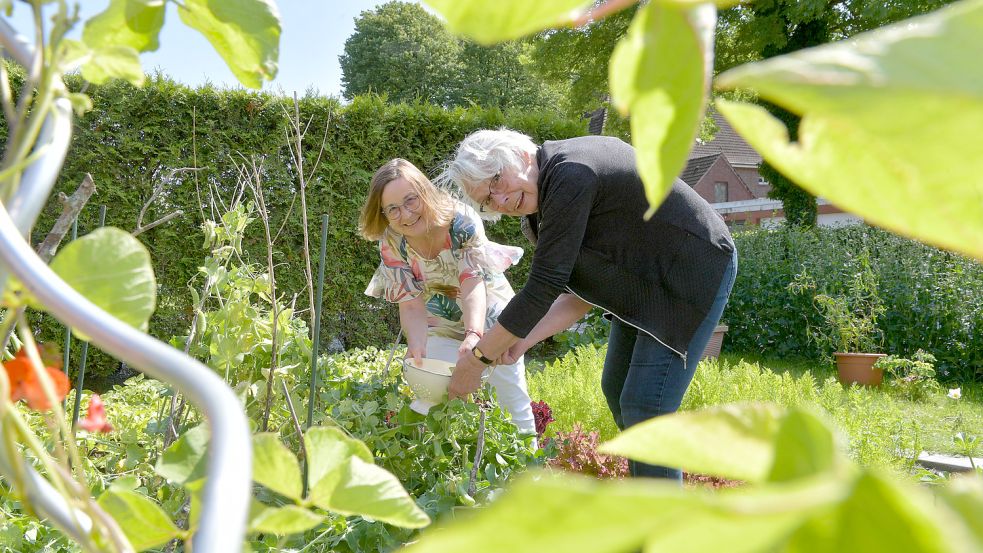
(643, 379)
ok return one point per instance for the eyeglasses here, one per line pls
(495, 186)
(410, 203)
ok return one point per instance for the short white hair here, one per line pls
(479, 157)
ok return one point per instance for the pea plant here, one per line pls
(112, 270)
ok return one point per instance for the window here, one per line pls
(762, 181)
(719, 192)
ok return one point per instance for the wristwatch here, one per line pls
(481, 356)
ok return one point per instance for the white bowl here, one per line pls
(428, 382)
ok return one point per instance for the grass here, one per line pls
(878, 428)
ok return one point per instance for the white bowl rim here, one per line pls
(407, 362)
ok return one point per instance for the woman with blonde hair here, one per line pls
(444, 274)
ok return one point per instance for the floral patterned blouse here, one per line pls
(404, 274)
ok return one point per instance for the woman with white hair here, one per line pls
(443, 273)
(665, 280)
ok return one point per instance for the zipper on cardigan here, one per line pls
(636, 327)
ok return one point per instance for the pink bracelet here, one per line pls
(472, 331)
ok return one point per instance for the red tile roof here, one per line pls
(738, 152)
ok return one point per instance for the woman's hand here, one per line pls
(466, 377)
(514, 353)
(416, 352)
(470, 341)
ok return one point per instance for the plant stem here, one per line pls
(479, 450)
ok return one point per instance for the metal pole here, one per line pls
(80, 380)
(317, 321)
(68, 330)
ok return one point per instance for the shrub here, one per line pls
(137, 138)
(913, 379)
(933, 299)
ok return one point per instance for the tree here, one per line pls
(576, 60)
(500, 76)
(579, 57)
(769, 28)
(401, 50)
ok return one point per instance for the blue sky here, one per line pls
(314, 34)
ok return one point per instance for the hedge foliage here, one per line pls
(934, 299)
(135, 138)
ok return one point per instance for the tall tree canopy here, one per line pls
(406, 53)
(401, 50)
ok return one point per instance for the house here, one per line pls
(724, 172)
(741, 157)
(715, 179)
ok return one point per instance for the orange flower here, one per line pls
(95, 420)
(25, 384)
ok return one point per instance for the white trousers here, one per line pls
(509, 382)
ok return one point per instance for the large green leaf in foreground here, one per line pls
(744, 437)
(544, 512)
(493, 21)
(891, 124)
(660, 75)
(112, 269)
(133, 23)
(246, 33)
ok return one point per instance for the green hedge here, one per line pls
(135, 137)
(934, 299)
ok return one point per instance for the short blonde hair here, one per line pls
(436, 206)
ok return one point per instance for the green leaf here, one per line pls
(326, 448)
(742, 435)
(143, 522)
(545, 512)
(804, 446)
(718, 3)
(246, 33)
(750, 520)
(965, 497)
(660, 74)
(490, 22)
(879, 514)
(275, 466)
(348, 483)
(283, 521)
(888, 120)
(186, 460)
(113, 62)
(133, 23)
(81, 103)
(112, 270)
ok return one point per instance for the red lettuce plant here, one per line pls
(576, 451)
(543, 414)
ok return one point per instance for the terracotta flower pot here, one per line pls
(858, 368)
(716, 340)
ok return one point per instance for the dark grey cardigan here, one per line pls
(659, 275)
